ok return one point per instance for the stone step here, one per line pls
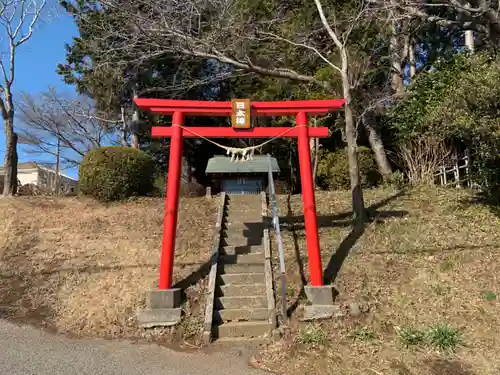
(237, 232)
(228, 343)
(241, 302)
(244, 225)
(234, 290)
(240, 268)
(241, 278)
(248, 205)
(234, 315)
(243, 212)
(255, 258)
(241, 250)
(241, 220)
(254, 207)
(240, 241)
(242, 329)
(245, 199)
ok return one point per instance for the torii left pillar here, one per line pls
(171, 202)
(163, 305)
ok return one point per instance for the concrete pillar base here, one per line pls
(149, 318)
(321, 295)
(322, 302)
(162, 308)
(164, 298)
(317, 312)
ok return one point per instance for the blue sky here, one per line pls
(36, 65)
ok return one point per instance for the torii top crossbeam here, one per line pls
(205, 108)
(202, 108)
(180, 108)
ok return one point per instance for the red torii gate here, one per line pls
(180, 108)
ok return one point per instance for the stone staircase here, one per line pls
(241, 299)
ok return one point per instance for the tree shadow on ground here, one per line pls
(433, 366)
(449, 367)
(21, 283)
(194, 277)
(482, 199)
(15, 287)
(331, 271)
(19, 290)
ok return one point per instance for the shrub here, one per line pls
(441, 337)
(115, 173)
(444, 338)
(159, 188)
(312, 336)
(421, 157)
(457, 102)
(333, 169)
(192, 189)
(363, 334)
(489, 296)
(187, 189)
(411, 336)
(395, 179)
(486, 174)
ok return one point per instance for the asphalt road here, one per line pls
(25, 350)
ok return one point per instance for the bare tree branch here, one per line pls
(327, 26)
(478, 15)
(14, 16)
(25, 11)
(72, 121)
(306, 46)
(158, 34)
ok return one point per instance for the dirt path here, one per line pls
(26, 350)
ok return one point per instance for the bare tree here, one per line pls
(18, 19)
(62, 126)
(396, 54)
(479, 16)
(421, 157)
(479, 21)
(350, 129)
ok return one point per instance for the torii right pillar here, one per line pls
(321, 296)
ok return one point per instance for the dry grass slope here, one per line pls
(428, 257)
(76, 266)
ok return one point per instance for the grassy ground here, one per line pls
(75, 266)
(425, 274)
(423, 271)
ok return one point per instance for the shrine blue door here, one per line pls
(242, 186)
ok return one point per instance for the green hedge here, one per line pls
(333, 170)
(116, 173)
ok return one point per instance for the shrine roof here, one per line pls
(222, 165)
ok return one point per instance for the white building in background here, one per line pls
(43, 177)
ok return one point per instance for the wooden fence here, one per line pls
(455, 171)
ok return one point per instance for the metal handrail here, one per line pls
(279, 241)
